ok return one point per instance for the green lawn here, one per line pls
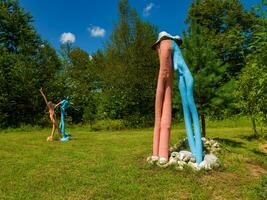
(112, 165)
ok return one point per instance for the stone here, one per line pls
(181, 158)
(181, 163)
(163, 163)
(152, 159)
(216, 145)
(193, 165)
(193, 160)
(173, 161)
(204, 165)
(187, 158)
(212, 160)
(179, 167)
(175, 155)
(184, 155)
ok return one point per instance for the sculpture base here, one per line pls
(182, 158)
(66, 138)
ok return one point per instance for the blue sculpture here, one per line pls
(64, 104)
(186, 86)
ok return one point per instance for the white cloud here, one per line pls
(148, 8)
(67, 38)
(96, 31)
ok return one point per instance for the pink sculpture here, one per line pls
(170, 57)
(163, 104)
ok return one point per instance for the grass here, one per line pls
(112, 165)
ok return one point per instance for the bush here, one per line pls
(136, 121)
(107, 124)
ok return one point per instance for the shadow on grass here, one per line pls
(257, 152)
(229, 142)
(250, 137)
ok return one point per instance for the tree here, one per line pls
(17, 34)
(82, 85)
(227, 26)
(130, 68)
(252, 91)
(206, 68)
(27, 63)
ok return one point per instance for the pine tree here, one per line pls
(207, 70)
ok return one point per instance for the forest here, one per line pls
(224, 45)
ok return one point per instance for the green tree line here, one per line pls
(224, 46)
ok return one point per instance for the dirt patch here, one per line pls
(256, 170)
(222, 185)
(263, 148)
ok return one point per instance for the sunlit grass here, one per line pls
(112, 165)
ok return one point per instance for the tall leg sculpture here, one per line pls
(163, 104)
(186, 87)
(171, 57)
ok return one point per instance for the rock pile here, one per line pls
(182, 158)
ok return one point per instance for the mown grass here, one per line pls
(112, 165)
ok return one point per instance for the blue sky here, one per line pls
(89, 23)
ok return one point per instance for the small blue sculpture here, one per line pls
(186, 87)
(64, 104)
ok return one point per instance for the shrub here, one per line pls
(107, 124)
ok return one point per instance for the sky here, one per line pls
(89, 23)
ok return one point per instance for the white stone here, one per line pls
(211, 160)
(179, 167)
(185, 154)
(152, 159)
(204, 165)
(172, 161)
(181, 163)
(187, 158)
(162, 161)
(216, 145)
(193, 165)
(193, 159)
(175, 155)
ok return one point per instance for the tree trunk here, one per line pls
(203, 125)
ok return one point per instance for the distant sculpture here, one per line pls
(63, 106)
(171, 57)
(52, 115)
(61, 128)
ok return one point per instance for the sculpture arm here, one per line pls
(41, 91)
(58, 104)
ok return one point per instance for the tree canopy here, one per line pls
(224, 46)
